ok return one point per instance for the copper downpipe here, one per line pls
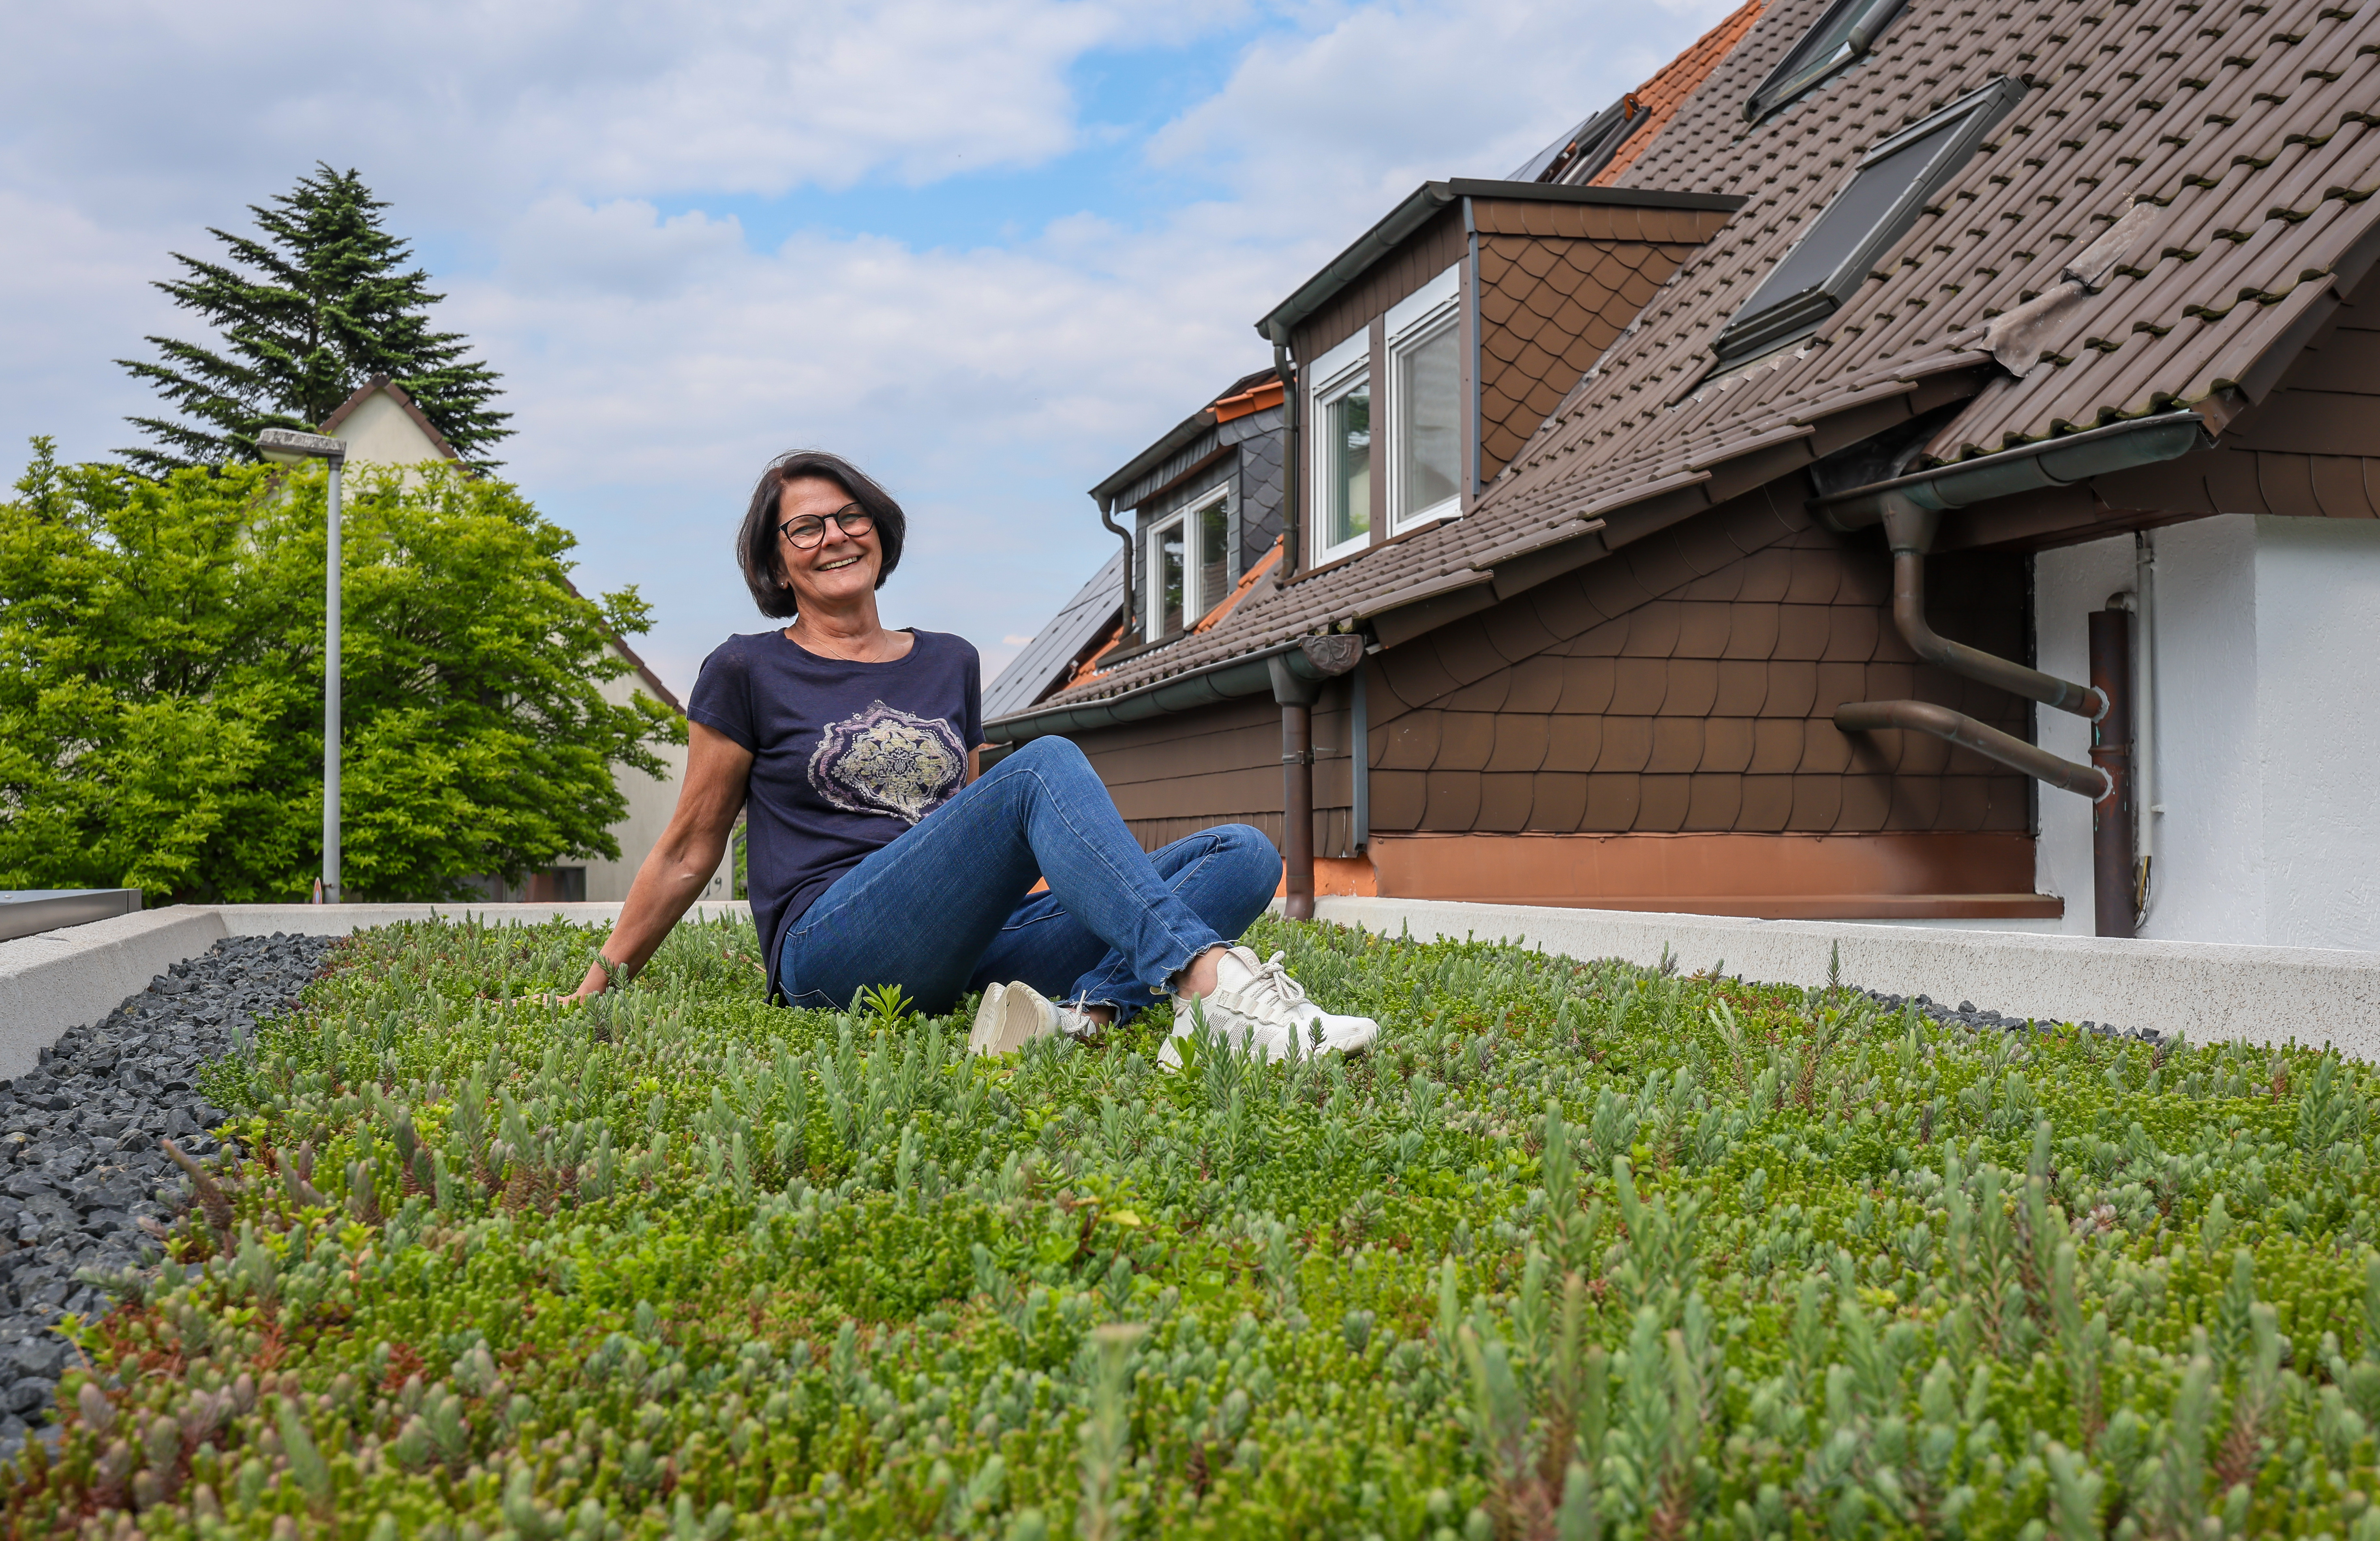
(1924, 716)
(2115, 893)
(1910, 528)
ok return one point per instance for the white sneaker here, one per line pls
(1014, 1014)
(1258, 1006)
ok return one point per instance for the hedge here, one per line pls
(1581, 1250)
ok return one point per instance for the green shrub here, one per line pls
(1581, 1250)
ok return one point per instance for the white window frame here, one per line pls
(1194, 603)
(1346, 367)
(1422, 316)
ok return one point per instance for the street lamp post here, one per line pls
(290, 448)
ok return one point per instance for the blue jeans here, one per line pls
(946, 908)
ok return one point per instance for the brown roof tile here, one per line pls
(1667, 89)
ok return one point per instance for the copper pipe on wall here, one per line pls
(1296, 696)
(1924, 716)
(1910, 529)
(1131, 556)
(2113, 885)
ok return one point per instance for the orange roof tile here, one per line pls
(1667, 91)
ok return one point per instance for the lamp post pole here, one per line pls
(290, 448)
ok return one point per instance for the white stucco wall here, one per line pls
(2265, 729)
(381, 433)
(2317, 619)
(650, 803)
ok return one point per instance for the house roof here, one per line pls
(2245, 126)
(382, 385)
(1235, 400)
(1666, 91)
(2242, 125)
(1064, 639)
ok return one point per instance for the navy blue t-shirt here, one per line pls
(845, 756)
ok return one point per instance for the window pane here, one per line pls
(1214, 554)
(1348, 447)
(1852, 215)
(1169, 580)
(1429, 453)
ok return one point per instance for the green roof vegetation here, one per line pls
(1582, 1250)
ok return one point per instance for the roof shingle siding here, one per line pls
(1260, 485)
(1548, 310)
(1688, 684)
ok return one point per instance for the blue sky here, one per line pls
(988, 250)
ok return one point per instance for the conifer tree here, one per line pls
(306, 311)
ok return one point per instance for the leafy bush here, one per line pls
(1581, 1250)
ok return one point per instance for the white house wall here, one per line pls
(2317, 617)
(381, 433)
(2264, 729)
(650, 802)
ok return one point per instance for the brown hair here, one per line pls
(756, 543)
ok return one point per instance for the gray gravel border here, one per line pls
(85, 1188)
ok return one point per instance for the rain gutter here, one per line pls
(1308, 660)
(1176, 439)
(2058, 462)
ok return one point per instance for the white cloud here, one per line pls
(461, 107)
(653, 361)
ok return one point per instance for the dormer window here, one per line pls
(1425, 406)
(1189, 563)
(1847, 31)
(1866, 220)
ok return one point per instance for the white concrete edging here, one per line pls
(2199, 989)
(61, 979)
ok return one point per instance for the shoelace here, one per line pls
(1272, 979)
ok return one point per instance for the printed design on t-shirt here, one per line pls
(885, 760)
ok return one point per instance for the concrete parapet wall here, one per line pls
(62, 979)
(2201, 989)
(338, 920)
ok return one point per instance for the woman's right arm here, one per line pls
(718, 773)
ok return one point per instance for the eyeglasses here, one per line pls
(808, 530)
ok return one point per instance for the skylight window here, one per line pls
(1866, 220)
(1847, 31)
(1588, 148)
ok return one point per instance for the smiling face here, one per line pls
(839, 571)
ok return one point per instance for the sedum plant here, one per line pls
(1582, 1251)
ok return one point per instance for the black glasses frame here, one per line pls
(843, 517)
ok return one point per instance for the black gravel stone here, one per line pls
(81, 1164)
(1969, 1016)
